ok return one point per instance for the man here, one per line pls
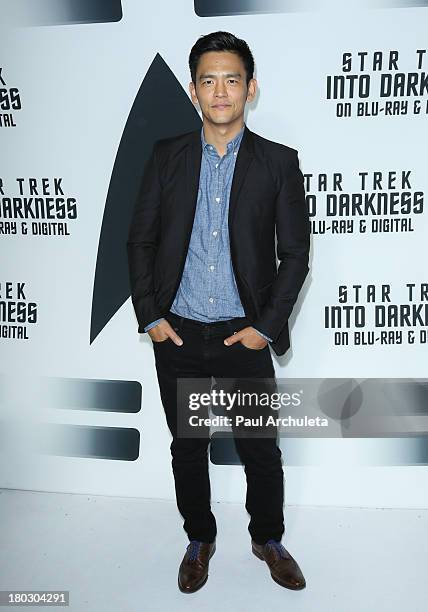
(206, 287)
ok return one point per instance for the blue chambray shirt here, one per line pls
(208, 290)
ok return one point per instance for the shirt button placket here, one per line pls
(212, 250)
(218, 217)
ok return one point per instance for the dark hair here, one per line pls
(221, 41)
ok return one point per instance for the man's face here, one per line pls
(221, 88)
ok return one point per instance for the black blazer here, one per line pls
(267, 192)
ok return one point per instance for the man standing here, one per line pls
(206, 285)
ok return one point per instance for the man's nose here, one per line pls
(220, 89)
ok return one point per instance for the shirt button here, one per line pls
(236, 153)
(211, 267)
(216, 165)
(211, 300)
(215, 233)
(217, 199)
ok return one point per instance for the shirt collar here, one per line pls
(232, 144)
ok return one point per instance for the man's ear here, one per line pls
(192, 90)
(252, 89)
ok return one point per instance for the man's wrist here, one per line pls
(153, 324)
(263, 335)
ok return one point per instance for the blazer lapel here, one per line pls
(243, 161)
(191, 184)
(193, 168)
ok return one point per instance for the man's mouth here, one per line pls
(221, 105)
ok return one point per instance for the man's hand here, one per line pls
(253, 340)
(162, 331)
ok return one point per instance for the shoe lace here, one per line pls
(194, 549)
(278, 547)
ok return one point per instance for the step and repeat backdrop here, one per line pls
(85, 90)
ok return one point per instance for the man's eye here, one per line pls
(233, 81)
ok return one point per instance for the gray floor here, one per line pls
(122, 554)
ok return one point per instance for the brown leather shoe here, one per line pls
(193, 571)
(283, 568)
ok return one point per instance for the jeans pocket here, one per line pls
(175, 328)
(247, 348)
(161, 341)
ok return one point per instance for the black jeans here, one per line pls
(202, 355)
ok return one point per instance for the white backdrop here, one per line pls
(77, 84)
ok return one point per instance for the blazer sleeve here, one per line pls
(293, 244)
(142, 244)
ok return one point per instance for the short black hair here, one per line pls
(221, 41)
